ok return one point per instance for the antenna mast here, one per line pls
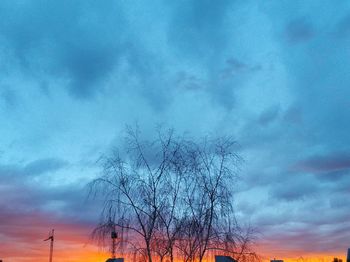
(51, 238)
(114, 236)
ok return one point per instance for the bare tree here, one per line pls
(213, 169)
(235, 241)
(136, 186)
(187, 242)
(170, 216)
(174, 196)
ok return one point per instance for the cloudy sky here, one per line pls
(273, 74)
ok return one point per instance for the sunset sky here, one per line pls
(273, 74)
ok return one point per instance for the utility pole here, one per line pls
(51, 238)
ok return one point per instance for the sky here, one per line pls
(273, 74)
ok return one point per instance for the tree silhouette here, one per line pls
(173, 196)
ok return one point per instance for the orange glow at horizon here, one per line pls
(310, 258)
(72, 244)
(62, 252)
(267, 253)
(89, 253)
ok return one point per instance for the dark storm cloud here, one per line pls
(23, 192)
(198, 27)
(84, 44)
(326, 163)
(27, 202)
(43, 166)
(295, 188)
(303, 239)
(75, 41)
(200, 33)
(299, 30)
(312, 131)
(34, 168)
(86, 67)
(23, 197)
(320, 96)
(269, 115)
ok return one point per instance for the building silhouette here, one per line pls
(115, 260)
(276, 260)
(224, 259)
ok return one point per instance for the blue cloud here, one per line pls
(43, 166)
